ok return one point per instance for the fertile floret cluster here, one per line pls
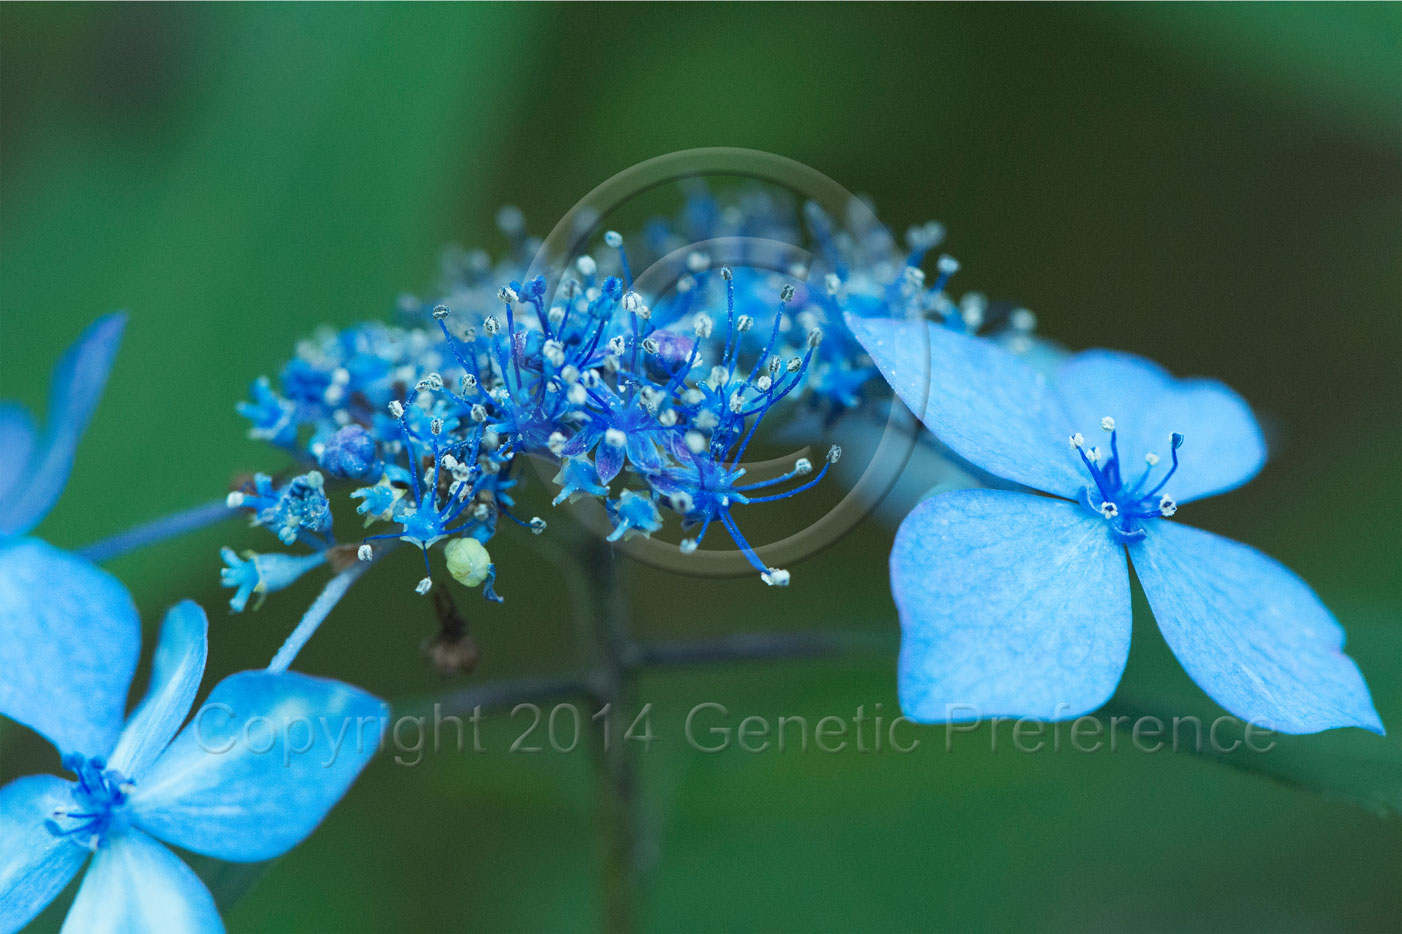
(644, 392)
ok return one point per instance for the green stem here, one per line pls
(614, 657)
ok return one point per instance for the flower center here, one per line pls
(98, 800)
(1123, 496)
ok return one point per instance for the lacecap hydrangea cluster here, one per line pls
(646, 402)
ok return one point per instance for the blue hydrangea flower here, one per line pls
(252, 573)
(1014, 604)
(299, 510)
(214, 787)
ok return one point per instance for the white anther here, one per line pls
(689, 545)
(736, 402)
(1078, 440)
(1023, 321)
(726, 274)
(651, 346)
(554, 351)
(834, 453)
(578, 395)
(556, 443)
(706, 420)
(440, 312)
(815, 337)
(570, 373)
(507, 295)
(617, 345)
(1151, 459)
(695, 442)
(763, 383)
(423, 586)
(491, 325)
(396, 408)
(668, 418)
(365, 553)
(1107, 423)
(479, 413)
(234, 500)
(1109, 510)
(947, 265)
(615, 438)
(786, 293)
(914, 275)
(775, 577)
(436, 426)
(832, 283)
(1167, 506)
(586, 266)
(794, 365)
(803, 467)
(469, 383)
(1093, 455)
(537, 525)
(490, 441)
(681, 502)
(774, 365)
(481, 511)
(744, 323)
(703, 326)
(613, 238)
(632, 301)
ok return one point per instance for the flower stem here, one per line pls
(157, 530)
(614, 659)
(321, 607)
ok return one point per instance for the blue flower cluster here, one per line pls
(645, 397)
(1013, 601)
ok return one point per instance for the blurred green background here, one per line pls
(1219, 187)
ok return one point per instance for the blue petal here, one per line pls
(984, 403)
(35, 865)
(642, 452)
(1250, 633)
(608, 460)
(69, 640)
(77, 386)
(1011, 605)
(175, 679)
(16, 447)
(259, 765)
(1223, 446)
(137, 886)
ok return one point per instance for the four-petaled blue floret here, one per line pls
(1015, 604)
